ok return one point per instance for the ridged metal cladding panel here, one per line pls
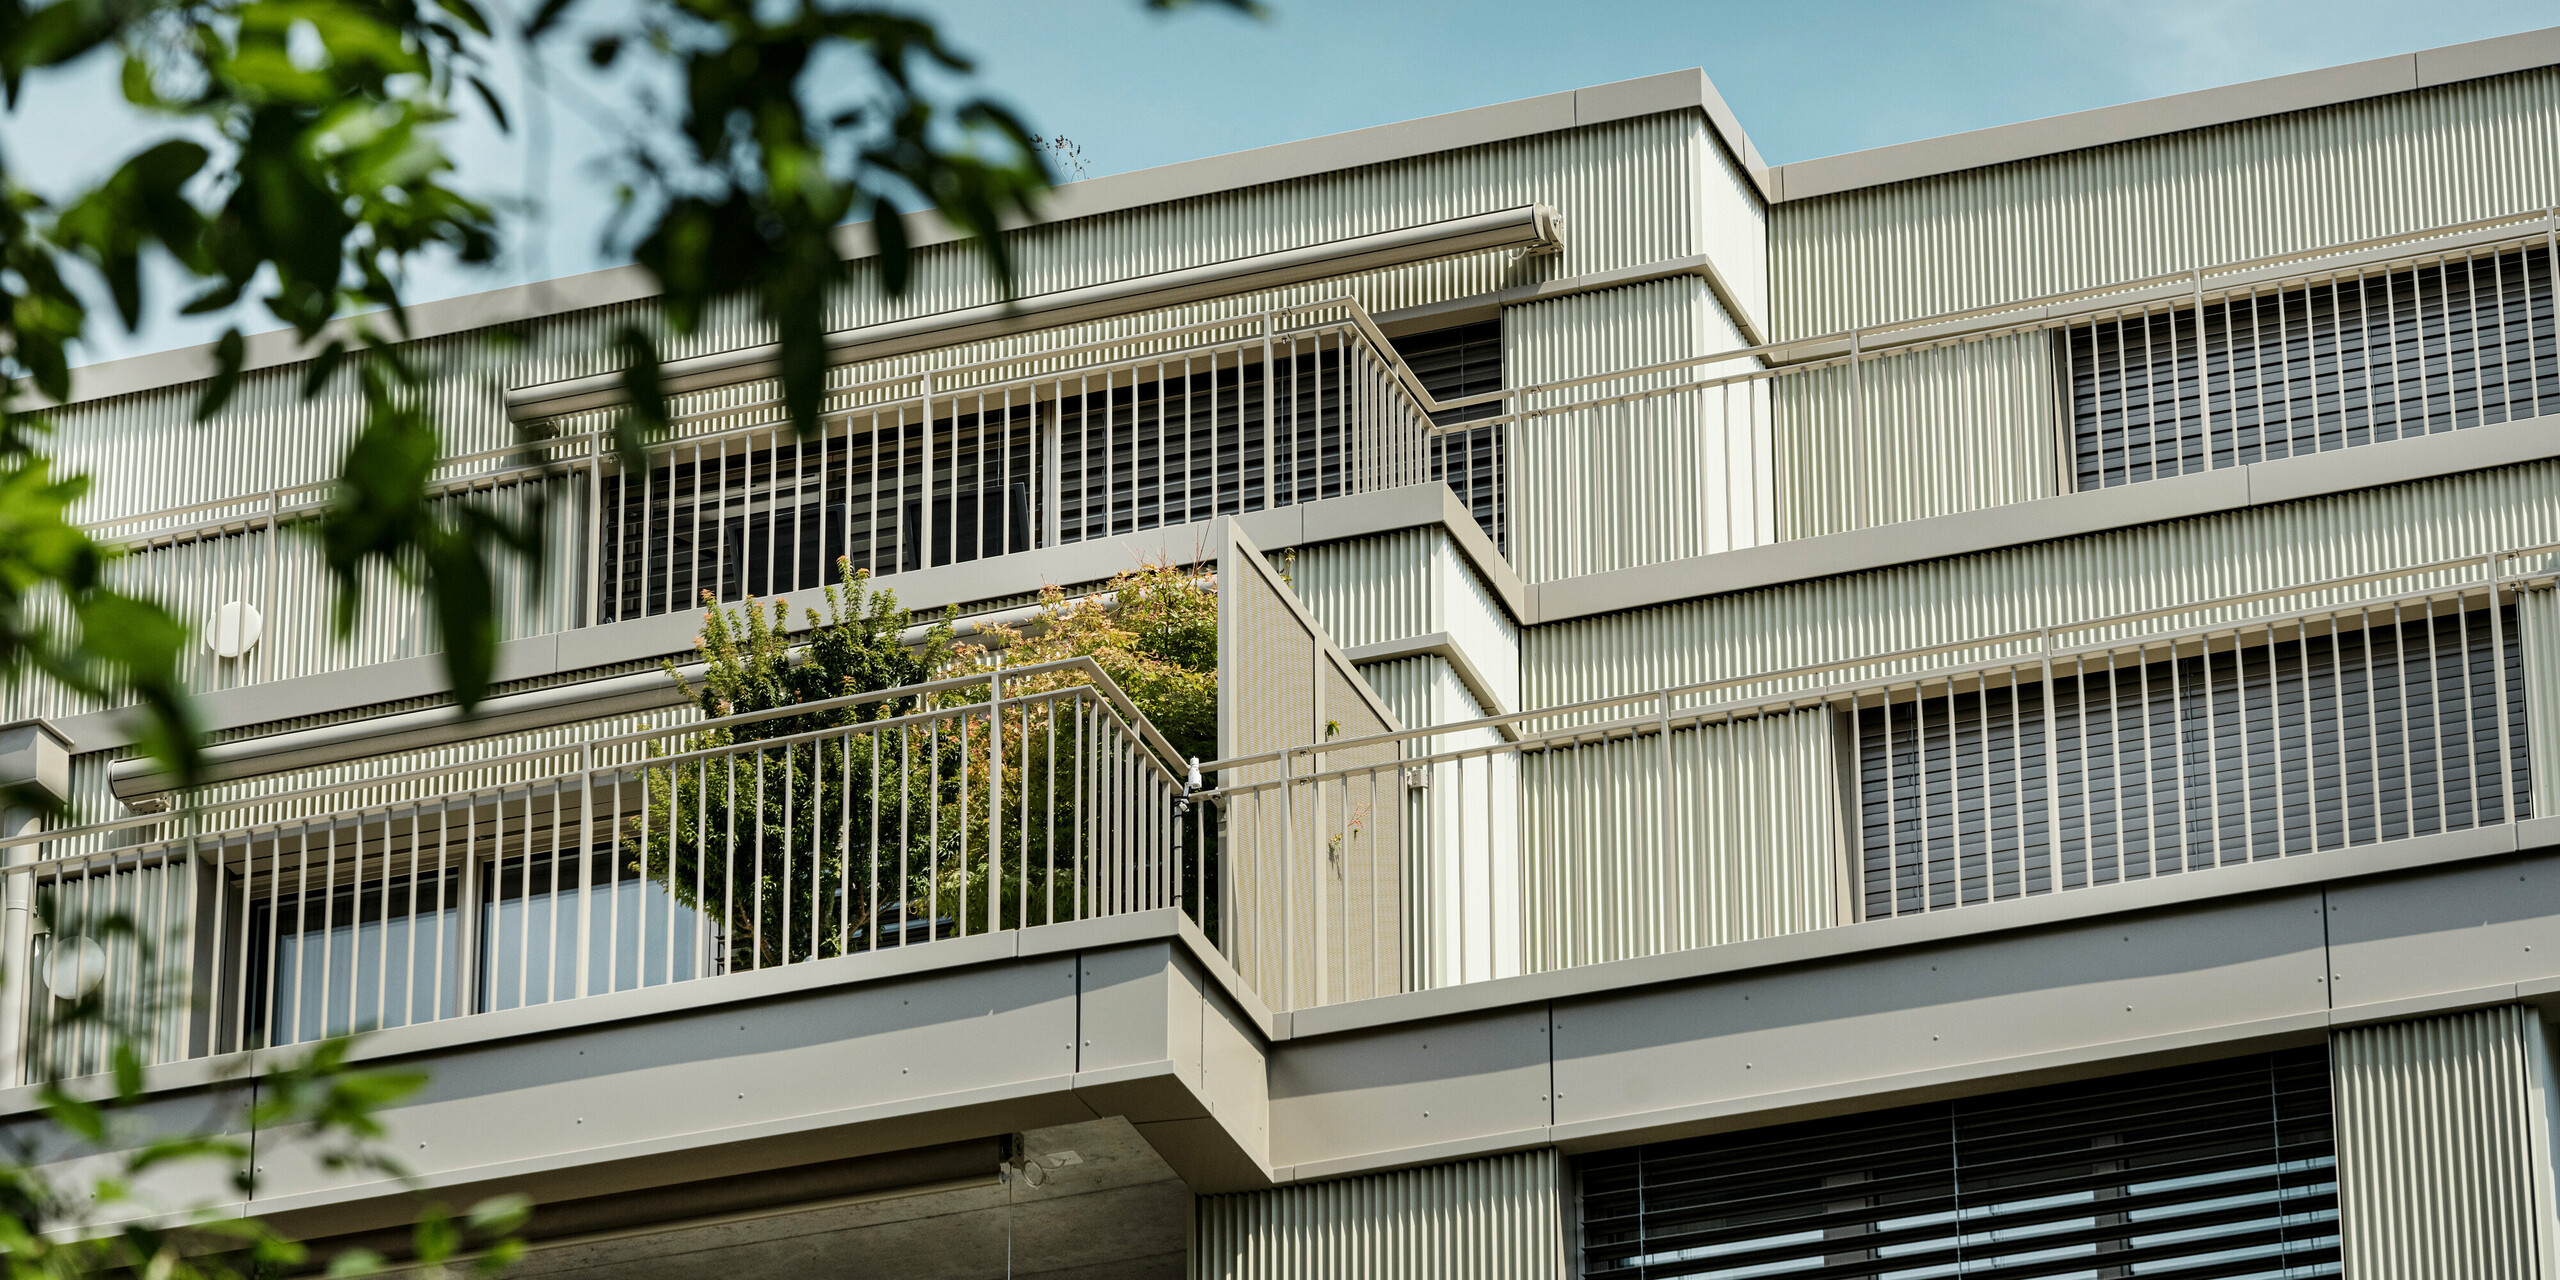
(1612, 486)
(1396, 586)
(1755, 809)
(1500, 1218)
(2045, 584)
(2437, 1145)
(1368, 590)
(2538, 620)
(1462, 867)
(1932, 433)
(1631, 190)
(2280, 184)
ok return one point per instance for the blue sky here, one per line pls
(1807, 78)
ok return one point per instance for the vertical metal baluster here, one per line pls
(995, 795)
(2507, 809)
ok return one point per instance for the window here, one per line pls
(1464, 361)
(741, 518)
(2376, 725)
(531, 924)
(363, 936)
(354, 956)
(2355, 360)
(2227, 1169)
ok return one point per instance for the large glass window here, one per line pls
(553, 930)
(2357, 359)
(2226, 1169)
(354, 956)
(373, 950)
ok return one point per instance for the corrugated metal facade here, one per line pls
(2044, 584)
(1975, 426)
(1932, 433)
(1400, 585)
(1635, 192)
(1615, 486)
(1463, 864)
(1501, 1218)
(2440, 1129)
(2087, 218)
(1630, 189)
(1757, 851)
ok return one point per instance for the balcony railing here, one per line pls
(2331, 715)
(895, 819)
(2328, 348)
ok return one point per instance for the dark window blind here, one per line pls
(735, 521)
(1464, 361)
(2210, 1172)
(2371, 727)
(2354, 361)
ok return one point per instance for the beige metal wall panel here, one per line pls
(1932, 433)
(1614, 486)
(2045, 584)
(2084, 219)
(1501, 1218)
(1367, 590)
(1630, 189)
(2437, 1147)
(1397, 586)
(1758, 849)
(282, 576)
(1462, 870)
(2538, 618)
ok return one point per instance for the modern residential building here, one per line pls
(1979, 708)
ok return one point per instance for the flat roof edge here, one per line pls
(1095, 197)
(2154, 117)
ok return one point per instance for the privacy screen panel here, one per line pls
(2207, 1172)
(2349, 361)
(2317, 735)
(1451, 363)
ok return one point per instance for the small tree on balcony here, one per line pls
(751, 839)
(809, 844)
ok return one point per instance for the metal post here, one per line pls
(1680, 897)
(33, 754)
(995, 794)
(267, 593)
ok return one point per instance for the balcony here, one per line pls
(935, 478)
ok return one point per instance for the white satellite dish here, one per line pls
(235, 630)
(75, 968)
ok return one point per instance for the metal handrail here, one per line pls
(2043, 637)
(1791, 357)
(1166, 757)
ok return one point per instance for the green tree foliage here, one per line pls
(752, 840)
(301, 173)
(797, 841)
(63, 1220)
(1154, 631)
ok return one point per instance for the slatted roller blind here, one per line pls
(1463, 361)
(2210, 1172)
(2372, 726)
(2355, 359)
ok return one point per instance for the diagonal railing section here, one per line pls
(2331, 715)
(895, 819)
